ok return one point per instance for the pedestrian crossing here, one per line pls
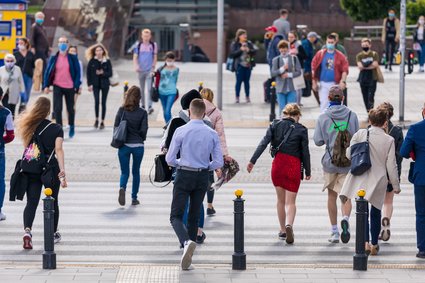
(95, 229)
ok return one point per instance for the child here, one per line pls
(168, 84)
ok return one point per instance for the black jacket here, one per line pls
(296, 145)
(236, 53)
(27, 63)
(137, 124)
(99, 81)
(397, 133)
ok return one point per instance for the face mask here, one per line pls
(21, 47)
(9, 65)
(284, 54)
(421, 22)
(169, 64)
(39, 21)
(365, 49)
(63, 47)
(330, 46)
(391, 15)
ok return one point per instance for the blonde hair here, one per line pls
(91, 51)
(239, 32)
(292, 109)
(10, 56)
(29, 120)
(207, 94)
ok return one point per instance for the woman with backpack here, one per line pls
(43, 141)
(242, 52)
(169, 75)
(99, 70)
(291, 156)
(374, 181)
(137, 128)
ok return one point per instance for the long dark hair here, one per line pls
(132, 98)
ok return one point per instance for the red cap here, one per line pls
(271, 28)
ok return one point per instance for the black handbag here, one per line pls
(360, 157)
(274, 150)
(411, 176)
(154, 94)
(49, 176)
(163, 172)
(120, 133)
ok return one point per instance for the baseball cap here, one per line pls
(335, 93)
(271, 28)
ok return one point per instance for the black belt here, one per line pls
(185, 168)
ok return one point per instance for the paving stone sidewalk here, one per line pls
(207, 274)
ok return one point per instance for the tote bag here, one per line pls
(299, 82)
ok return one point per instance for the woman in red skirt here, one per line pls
(289, 139)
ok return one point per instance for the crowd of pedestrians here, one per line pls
(194, 141)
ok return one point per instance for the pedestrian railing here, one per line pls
(375, 31)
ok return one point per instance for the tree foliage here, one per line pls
(365, 10)
(414, 10)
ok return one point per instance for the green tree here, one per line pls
(365, 10)
(414, 10)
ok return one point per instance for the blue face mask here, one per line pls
(63, 47)
(330, 46)
(39, 21)
(391, 15)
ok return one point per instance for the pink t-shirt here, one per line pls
(63, 77)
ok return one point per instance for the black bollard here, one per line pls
(272, 102)
(360, 257)
(125, 86)
(239, 256)
(200, 86)
(49, 255)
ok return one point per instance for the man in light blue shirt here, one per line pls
(200, 152)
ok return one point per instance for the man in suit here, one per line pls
(414, 146)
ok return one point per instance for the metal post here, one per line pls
(220, 31)
(360, 257)
(49, 255)
(239, 256)
(403, 56)
(125, 86)
(272, 102)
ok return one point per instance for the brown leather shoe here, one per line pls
(374, 249)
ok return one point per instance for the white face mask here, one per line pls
(170, 64)
(421, 22)
(21, 47)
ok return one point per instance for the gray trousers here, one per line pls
(145, 81)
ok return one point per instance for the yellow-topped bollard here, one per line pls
(238, 193)
(273, 84)
(200, 86)
(125, 86)
(48, 192)
(361, 193)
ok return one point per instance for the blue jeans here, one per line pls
(285, 98)
(201, 215)
(420, 217)
(375, 225)
(2, 173)
(28, 86)
(243, 74)
(167, 102)
(421, 55)
(124, 154)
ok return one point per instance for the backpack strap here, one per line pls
(45, 128)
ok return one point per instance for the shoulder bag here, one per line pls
(120, 133)
(360, 157)
(274, 150)
(299, 82)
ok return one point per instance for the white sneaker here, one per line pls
(2, 216)
(189, 248)
(334, 238)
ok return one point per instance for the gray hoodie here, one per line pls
(325, 133)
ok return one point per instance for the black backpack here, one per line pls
(34, 158)
(342, 142)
